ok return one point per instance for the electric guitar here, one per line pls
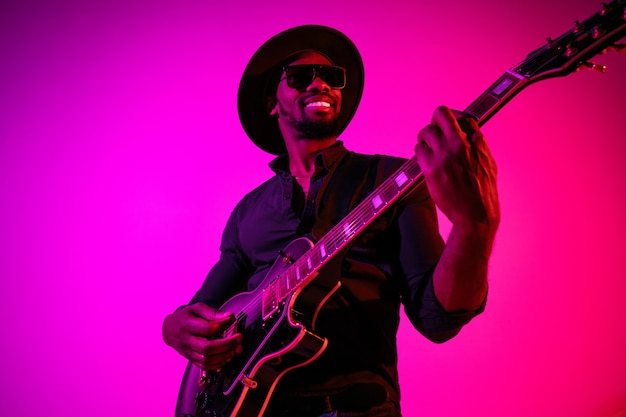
(278, 318)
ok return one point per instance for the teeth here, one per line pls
(318, 104)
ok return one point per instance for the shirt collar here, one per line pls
(324, 160)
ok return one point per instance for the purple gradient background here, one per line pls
(121, 156)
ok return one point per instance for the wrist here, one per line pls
(476, 238)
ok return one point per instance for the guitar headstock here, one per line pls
(573, 49)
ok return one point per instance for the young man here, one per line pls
(298, 93)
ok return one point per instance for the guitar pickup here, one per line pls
(270, 300)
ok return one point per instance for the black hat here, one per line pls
(261, 74)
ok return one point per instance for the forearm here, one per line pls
(460, 278)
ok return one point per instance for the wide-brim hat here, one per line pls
(260, 74)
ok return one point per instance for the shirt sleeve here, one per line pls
(420, 247)
(231, 272)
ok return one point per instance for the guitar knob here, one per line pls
(619, 47)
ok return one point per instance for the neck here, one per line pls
(302, 155)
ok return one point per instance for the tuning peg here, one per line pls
(578, 27)
(594, 66)
(618, 47)
(605, 9)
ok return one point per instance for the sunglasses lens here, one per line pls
(300, 76)
(333, 76)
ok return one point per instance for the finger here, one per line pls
(220, 346)
(430, 136)
(211, 322)
(423, 152)
(215, 354)
(469, 126)
(211, 363)
(465, 120)
(446, 120)
(197, 326)
(215, 347)
(210, 313)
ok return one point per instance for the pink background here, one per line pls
(121, 156)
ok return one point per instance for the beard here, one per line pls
(316, 129)
(311, 129)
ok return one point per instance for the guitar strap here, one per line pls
(348, 182)
(352, 179)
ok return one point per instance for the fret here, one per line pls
(496, 95)
(304, 271)
(377, 202)
(401, 179)
(322, 250)
(389, 191)
(366, 212)
(348, 230)
(317, 257)
(269, 302)
(330, 240)
(283, 286)
(290, 277)
(297, 272)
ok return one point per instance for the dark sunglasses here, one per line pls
(301, 76)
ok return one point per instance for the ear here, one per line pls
(271, 105)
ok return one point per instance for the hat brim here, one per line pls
(252, 97)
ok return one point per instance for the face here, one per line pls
(310, 112)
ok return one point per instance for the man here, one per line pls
(298, 92)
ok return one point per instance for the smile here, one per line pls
(318, 104)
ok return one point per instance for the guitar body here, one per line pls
(272, 346)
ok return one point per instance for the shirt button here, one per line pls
(286, 197)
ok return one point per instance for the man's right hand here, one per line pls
(195, 331)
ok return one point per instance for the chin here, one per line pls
(317, 129)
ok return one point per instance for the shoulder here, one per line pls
(383, 165)
(258, 194)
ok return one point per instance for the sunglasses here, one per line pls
(301, 76)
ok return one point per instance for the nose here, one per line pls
(318, 84)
